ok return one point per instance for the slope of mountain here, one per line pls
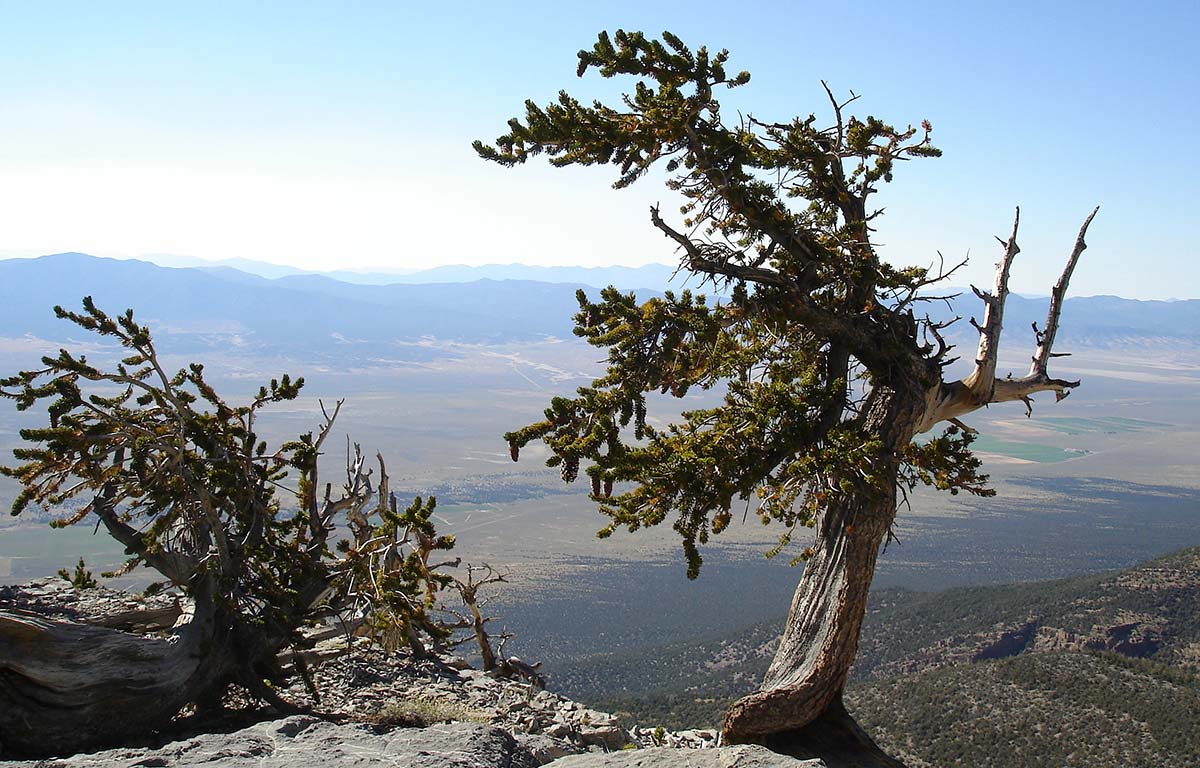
(1103, 322)
(1039, 710)
(229, 309)
(286, 307)
(270, 270)
(1151, 611)
(504, 290)
(656, 277)
(984, 665)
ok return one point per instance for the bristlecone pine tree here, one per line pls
(180, 477)
(828, 369)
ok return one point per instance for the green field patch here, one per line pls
(1074, 425)
(1043, 454)
(1139, 422)
(37, 551)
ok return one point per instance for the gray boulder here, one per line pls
(302, 740)
(607, 736)
(544, 748)
(741, 756)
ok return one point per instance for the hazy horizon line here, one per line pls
(163, 260)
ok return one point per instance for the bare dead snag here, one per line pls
(513, 667)
(947, 401)
(475, 620)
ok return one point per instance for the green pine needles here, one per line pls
(815, 321)
(180, 476)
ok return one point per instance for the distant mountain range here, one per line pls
(320, 316)
(651, 276)
(307, 315)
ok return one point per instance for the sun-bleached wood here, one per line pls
(950, 400)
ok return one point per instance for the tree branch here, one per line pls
(177, 567)
(981, 381)
(842, 332)
(1038, 379)
(981, 387)
(1045, 338)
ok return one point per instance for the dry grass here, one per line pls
(421, 711)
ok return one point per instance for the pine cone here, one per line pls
(570, 468)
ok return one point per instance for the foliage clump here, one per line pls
(422, 711)
(815, 321)
(182, 478)
(80, 578)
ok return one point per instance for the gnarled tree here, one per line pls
(828, 368)
(180, 477)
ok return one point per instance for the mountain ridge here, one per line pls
(652, 276)
(229, 308)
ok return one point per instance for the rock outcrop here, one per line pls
(724, 757)
(370, 701)
(305, 740)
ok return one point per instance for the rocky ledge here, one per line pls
(306, 740)
(372, 703)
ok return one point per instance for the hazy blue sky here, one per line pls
(338, 135)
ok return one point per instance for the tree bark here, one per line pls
(798, 709)
(67, 687)
(486, 655)
(821, 636)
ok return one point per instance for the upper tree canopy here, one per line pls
(778, 212)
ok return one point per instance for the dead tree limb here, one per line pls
(982, 387)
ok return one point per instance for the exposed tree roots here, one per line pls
(834, 737)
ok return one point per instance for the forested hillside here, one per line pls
(1038, 710)
(1096, 670)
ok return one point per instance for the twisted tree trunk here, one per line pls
(66, 686)
(820, 641)
(798, 709)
